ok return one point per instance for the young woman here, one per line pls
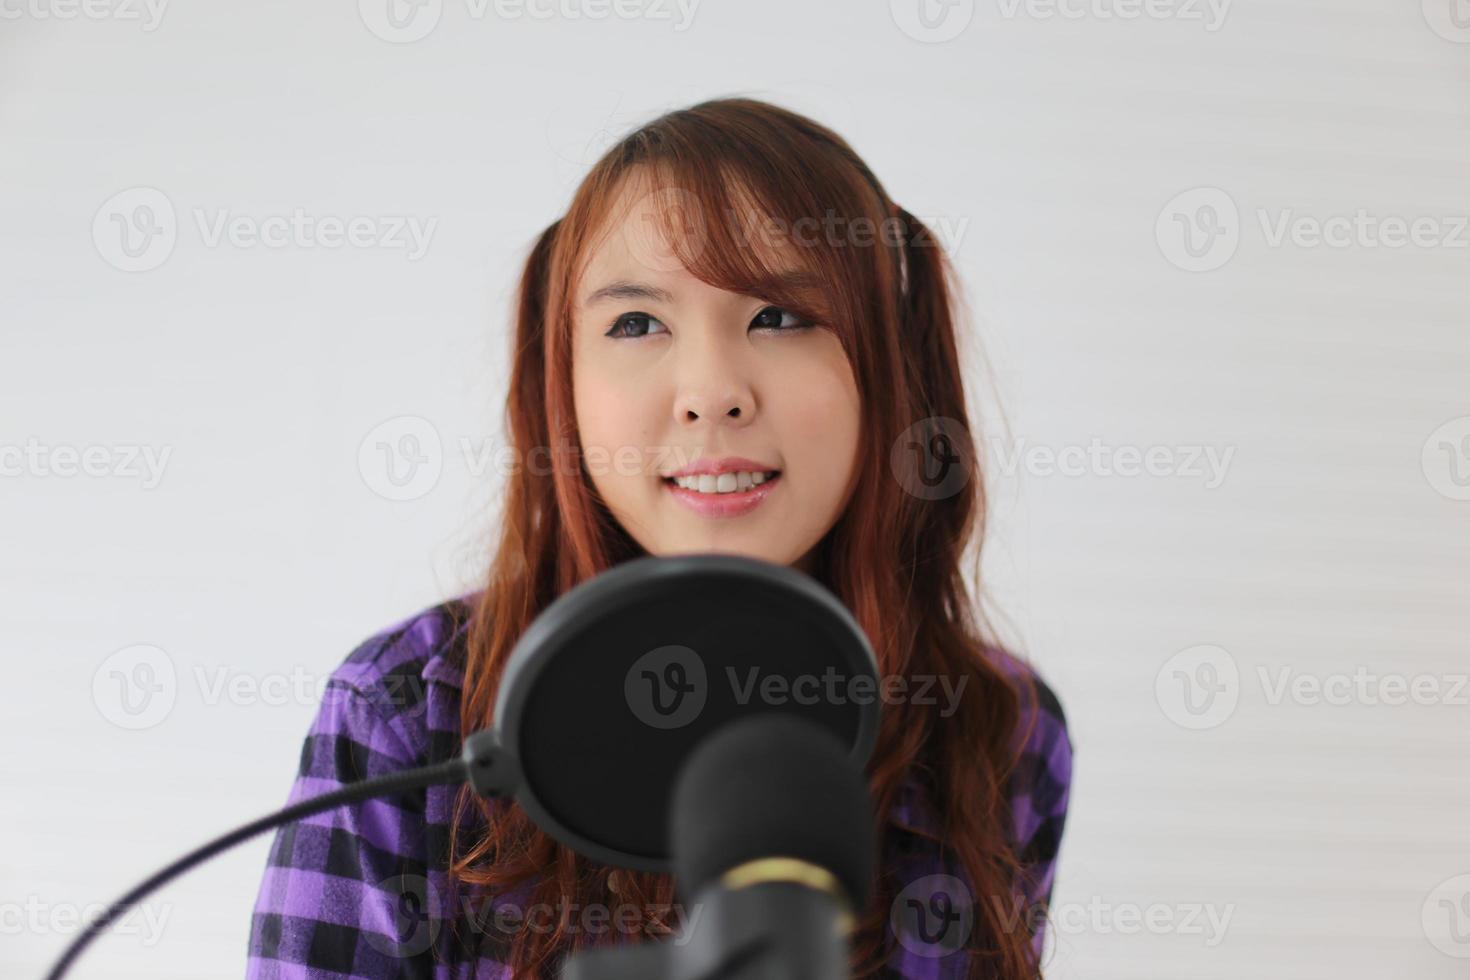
(732, 293)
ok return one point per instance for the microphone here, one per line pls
(642, 661)
(773, 836)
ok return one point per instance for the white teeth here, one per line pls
(724, 483)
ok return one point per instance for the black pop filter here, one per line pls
(616, 683)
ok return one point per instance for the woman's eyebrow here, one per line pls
(624, 289)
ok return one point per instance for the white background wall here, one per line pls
(1335, 541)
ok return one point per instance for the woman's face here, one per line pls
(672, 375)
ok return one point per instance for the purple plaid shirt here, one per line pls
(363, 891)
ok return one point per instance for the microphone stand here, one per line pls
(483, 764)
(769, 931)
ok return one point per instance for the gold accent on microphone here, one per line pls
(793, 871)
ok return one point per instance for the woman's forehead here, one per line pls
(653, 228)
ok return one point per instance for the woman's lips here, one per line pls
(732, 504)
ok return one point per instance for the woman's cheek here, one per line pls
(610, 411)
(822, 407)
(824, 434)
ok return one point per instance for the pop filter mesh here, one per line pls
(609, 720)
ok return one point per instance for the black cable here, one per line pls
(453, 771)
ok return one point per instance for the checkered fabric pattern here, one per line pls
(362, 892)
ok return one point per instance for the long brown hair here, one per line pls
(894, 556)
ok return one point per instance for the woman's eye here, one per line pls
(636, 325)
(632, 325)
(775, 318)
